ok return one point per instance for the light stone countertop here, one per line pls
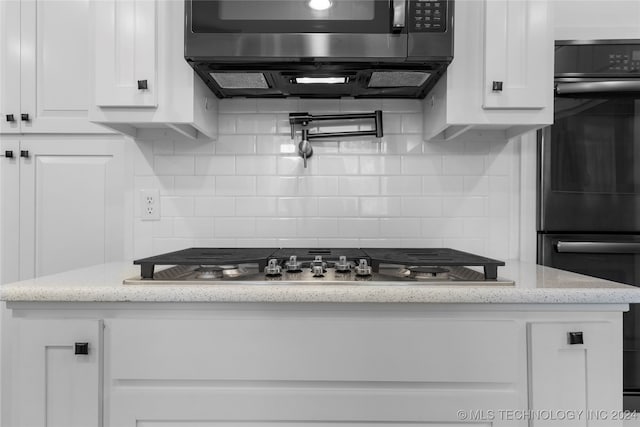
(533, 284)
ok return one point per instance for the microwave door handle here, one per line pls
(602, 88)
(598, 247)
(399, 14)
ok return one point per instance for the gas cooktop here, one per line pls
(319, 265)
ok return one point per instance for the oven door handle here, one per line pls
(598, 247)
(601, 88)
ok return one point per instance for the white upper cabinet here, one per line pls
(126, 64)
(45, 67)
(142, 82)
(500, 83)
(593, 20)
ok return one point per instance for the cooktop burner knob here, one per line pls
(293, 266)
(363, 269)
(342, 266)
(273, 269)
(317, 271)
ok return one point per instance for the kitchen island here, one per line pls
(82, 348)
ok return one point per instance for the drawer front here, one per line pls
(277, 348)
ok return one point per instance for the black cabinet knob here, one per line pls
(142, 84)
(10, 118)
(24, 117)
(575, 338)
(24, 153)
(496, 86)
(81, 348)
(9, 154)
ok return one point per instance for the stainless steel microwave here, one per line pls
(319, 48)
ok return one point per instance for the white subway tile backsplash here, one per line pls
(337, 165)
(238, 105)
(227, 124)
(400, 185)
(284, 105)
(278, 186)
(317, 227)
(235, 144)
(318, 186)
(421, 165)
(359, 185)
(380, 207)
(297, 206)
(177, 206)
(380, 165)
(214, 206)
(442, 227)
(236, 185)
(194, 185)
(256, 165)
(174, 165)
(411, 123)
(338, 206)
(402, 105)
(276, 144)
(201, 228)
(476, 185)
(400, 227)
(463, 164)
(249, 188)
(256, 124)
(422, 206)
(276, 227)
(464, 206)
(359, 227)
(442, 185)
(256, 206)
(234, 227)
(215, 165)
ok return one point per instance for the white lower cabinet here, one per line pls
(54, 386)
(586, 378)
(62, 204)
(213, 365)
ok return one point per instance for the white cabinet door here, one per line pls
(10, 66)
(518, 54)
(54, 386)
(55, 66)
(579, 377)
(9, 210)
(70, 205)
(126, 59)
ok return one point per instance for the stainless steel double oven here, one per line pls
(589, 176)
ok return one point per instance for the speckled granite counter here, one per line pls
(533, 284)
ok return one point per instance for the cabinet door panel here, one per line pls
(518, 54)
(9, 65)
(577, 377)
(55, 66)
(54, 386)
(9, 212)
(70, 206)
(125, 52)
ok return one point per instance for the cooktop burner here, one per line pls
(298, 265)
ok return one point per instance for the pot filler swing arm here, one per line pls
(304, 119)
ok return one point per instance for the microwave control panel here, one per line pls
(428, 16)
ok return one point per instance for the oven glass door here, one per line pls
(611, 257)
(291, 16)
(591, 165)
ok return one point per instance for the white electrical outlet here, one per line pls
(150, 205)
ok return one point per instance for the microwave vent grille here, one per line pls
(240, 80)
(398, 79)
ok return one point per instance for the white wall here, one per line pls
(249, 187)
(596, 19)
